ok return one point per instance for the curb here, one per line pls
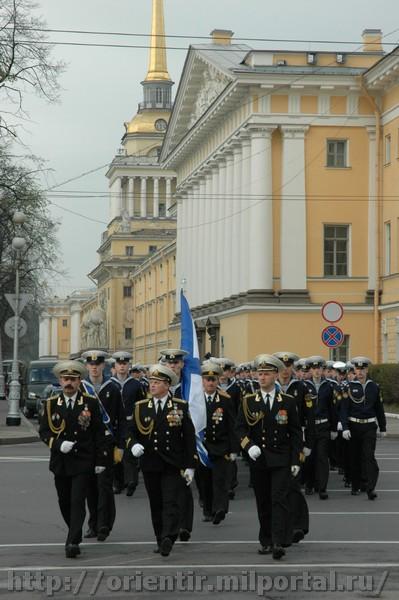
(27, 437)
(8, 441)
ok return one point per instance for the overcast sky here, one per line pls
(101, 86)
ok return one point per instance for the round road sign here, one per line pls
(332, 311)
(9, 327)
(332, 336)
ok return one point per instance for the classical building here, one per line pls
(287, 169)
(141, 221)
(141, 197)
(60, 324)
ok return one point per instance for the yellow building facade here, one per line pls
(286, 168)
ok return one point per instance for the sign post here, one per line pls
(332, 336)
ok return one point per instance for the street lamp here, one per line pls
(18, 243)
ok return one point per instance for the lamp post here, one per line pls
(14, 416)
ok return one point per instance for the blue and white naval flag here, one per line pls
(192, 389)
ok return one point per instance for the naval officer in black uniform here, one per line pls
(269, 430)
(100, 499)
(362, 410)
(162, 435)
(72, 427)
(320, 391)
(221, 442)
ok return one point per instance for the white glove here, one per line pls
(339, 426)
(383, 434)
(333, 435)
(295, 470)
(254, 452)
(188, 475)
(66, 446)
(307, 451)
(99, 470)
(137, 450)
(346, 435)
(233, 456)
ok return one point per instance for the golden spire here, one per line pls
(158, 69)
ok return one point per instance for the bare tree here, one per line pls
(38, 262)
(25, 62)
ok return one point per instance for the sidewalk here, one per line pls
(23, 434)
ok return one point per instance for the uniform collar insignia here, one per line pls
(80, 401)
(150, 404)
(59, 401)
(170, 403)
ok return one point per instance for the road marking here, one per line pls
(192, 543)
(286, 566)
(358, 513)
(348, 490)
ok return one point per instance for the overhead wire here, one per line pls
(249, 102)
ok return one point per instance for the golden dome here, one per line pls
(144, 122)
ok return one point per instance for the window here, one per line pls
(129, 250)
(342, 352)
(127, 291)
(337, 153)
(162, 210)
(387, 235)
(161, 273)
(152, 249)
(128, 333)
(387, 158)
(336, 250)
(65, 322)
(159, 95)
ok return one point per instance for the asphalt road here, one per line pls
(352, 549)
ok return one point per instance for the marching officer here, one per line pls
(298, 525)
(174, 359)
(342, 448)
(132, 391)
(362, 410)
(100, 499)
(162, 435)
(228, 383)
(321, 392)
(72, 427)
(222, 445)
(269, 430)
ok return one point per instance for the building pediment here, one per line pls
(206, 76)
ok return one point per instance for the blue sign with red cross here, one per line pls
(332, 336)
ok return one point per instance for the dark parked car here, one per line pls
(40, 376)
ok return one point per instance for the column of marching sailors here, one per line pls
(291, 420)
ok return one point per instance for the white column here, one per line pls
(227, 225)
(143, 198)
(220, 202)
(54, 336)
(372, 211)
(115, 198)
(75, 346)
(293, 270)
(260, 236)
(213, 231)
(244, 215)
(202, 237)
(196, 233)
(236, 240)
(168, 195)
(206, 232)
(130, 196)
(44, 335)
(189, 260)
(179, 247)
(156, 198)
